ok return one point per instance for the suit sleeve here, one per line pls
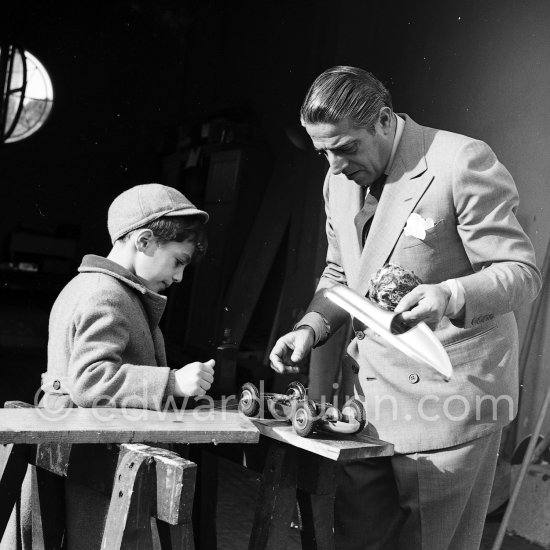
(501, 254)
(322, 315)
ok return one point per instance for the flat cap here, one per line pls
(142, 204)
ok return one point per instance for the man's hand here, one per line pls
(291, 349)
(194, 379)
(424, 303)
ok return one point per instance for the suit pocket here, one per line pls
(472, 346)
(431, 239)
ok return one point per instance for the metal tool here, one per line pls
(418, 342)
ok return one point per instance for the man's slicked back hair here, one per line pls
(345, 92)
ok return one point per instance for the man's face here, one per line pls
(357, 153)
(160, 265)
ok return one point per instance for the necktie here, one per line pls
(364, 217)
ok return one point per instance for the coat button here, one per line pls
(355, 369)
(360, 335)
(413, 378)
(56, 384)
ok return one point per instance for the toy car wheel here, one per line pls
(355, 410)
(249, 400)
(304, 418)
(296, 390)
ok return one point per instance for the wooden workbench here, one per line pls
(106, 425)
(75, 442)
(103, 450)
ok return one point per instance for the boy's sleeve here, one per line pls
(99, 377)
(171, 385)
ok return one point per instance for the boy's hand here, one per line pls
(194, 379)
(291, 349)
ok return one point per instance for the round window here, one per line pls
(28, 95)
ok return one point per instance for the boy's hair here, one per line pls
(179, 229)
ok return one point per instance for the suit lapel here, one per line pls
(407, 181)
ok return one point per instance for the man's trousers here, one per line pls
(435, 500)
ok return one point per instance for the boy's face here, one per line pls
(160, 265)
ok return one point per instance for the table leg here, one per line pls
(316, 490)
(48, 510)
(206, 497)
(277, 499)
(317, 512)
(175, 537)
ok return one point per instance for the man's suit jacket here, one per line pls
(472, 199)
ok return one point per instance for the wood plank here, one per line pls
(128, 523)
(13, 466)
(338, 447)
(47, 491)
(52, 457)
(106, 425)
(175, 486)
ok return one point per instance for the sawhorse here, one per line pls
(151, 482)
(91, 447)
(304, 470)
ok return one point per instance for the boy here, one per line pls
(105, 347)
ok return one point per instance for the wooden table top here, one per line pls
(338, 447)
(111, 425)
(201, 425)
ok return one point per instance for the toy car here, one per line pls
(306, 415)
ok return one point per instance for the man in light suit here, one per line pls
(441, 205)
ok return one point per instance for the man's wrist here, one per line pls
(306, 327)
(444, 286)
(317, 323)
(455, 302)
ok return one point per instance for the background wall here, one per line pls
(127, 74)
(117, 72)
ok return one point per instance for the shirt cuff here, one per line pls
(457, 300)
(319, 325)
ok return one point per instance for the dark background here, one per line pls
(139, 84)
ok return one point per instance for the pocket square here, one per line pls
(416, 226)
